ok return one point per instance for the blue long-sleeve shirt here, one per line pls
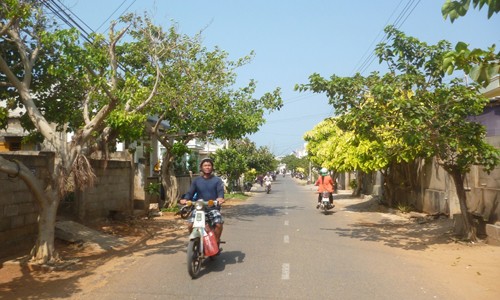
(206, 188)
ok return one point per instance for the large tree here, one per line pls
(92, 89)
(412, 113)
(293, 163)
(106, 89)
(231, 164)
(199, 99)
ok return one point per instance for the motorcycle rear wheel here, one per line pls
(194, 258)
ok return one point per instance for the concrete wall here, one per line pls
(112, 193)
(19, 211)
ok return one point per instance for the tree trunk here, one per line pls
(48, 201)
(389, 186)
(470, 230)
(44, 252)
(359, 181)
(169, 181)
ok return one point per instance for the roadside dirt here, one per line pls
(472, 269)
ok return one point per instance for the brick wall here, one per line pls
(19, 211)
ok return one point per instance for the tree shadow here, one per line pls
(249, 211)
(382, 224)
(404, 235)
(63, 280)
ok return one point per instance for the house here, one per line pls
(11, 138)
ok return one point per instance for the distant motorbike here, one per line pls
(267, 183)
(202, 240)
(248, 186)
(325, 204)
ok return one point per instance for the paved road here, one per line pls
(278, 247)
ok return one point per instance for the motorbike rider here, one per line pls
(207, 187)
(325, 183)
(268, 179)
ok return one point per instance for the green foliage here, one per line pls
(260, 159)
(404, 208)
(237, 196)
(128, 126)
(230, 163)
(293, 163)
(179, 149)
(173, 209)
(250, 175)
(4, 115)
(353, 184)
(480, 65)
(243, 158)
(406, 114)
(153, 188)
(456, 9)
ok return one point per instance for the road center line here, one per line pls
(286, 223)
(286, 239)
(285, 271)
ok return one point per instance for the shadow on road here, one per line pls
(220, 262)
(247, 212)
(375, 222)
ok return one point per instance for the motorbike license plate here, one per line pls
(198, 217)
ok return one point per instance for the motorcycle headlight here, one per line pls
(199, 204)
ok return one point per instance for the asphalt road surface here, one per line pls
(279, 246)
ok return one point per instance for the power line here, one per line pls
(76, 23)
(61, 11)
(380, 32)
(124, 11)
(102, 24)
(400, 20)
(65, 17)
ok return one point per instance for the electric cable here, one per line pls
(398, 23)
(104, 22)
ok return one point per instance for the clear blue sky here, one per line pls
(294, 38)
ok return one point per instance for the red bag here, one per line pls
(210, 247)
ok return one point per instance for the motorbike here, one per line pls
(186, 210)
(202, 241)
(267, 183)
(248, 186)
(325, 204)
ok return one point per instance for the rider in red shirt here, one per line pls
(325, 183)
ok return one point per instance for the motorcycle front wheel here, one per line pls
(193, 257)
